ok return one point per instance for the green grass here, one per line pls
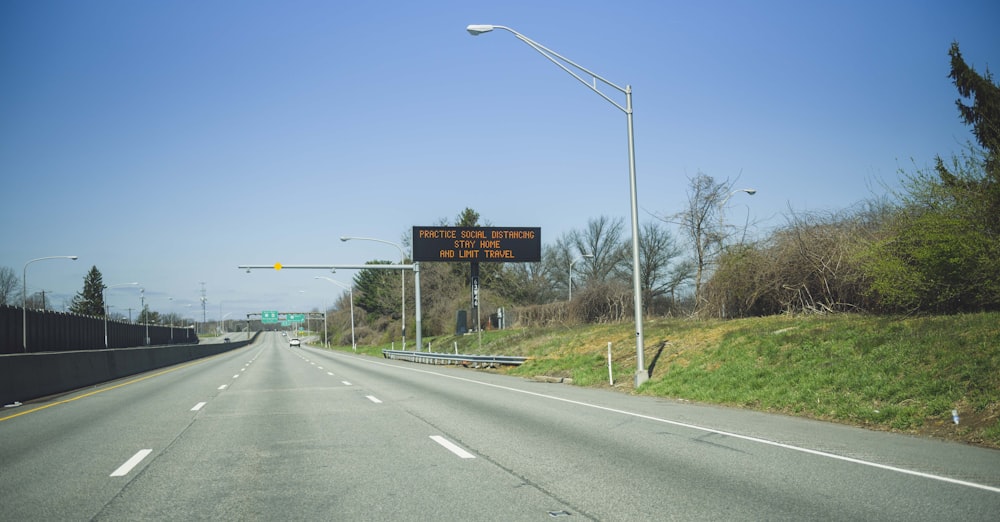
(903, 374)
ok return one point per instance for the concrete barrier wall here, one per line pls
(24, 377)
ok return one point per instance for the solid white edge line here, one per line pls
(223, 387)
(199, 406)
(452, 447)
(345, 383)
(818, 453)
(373, 399)
(131, 463)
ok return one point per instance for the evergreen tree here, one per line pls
(983, 115)
(90, 300)
(377, 291)
(943, 251)
(467, 218)
(147, 316)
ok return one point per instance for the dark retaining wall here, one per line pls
(24, 377)
(50, 331)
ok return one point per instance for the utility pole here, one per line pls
(204, 301)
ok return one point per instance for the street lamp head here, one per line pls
(750, 191)
(476, 30)
(74, 258)
(344, 238)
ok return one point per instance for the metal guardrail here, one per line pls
(476, 361)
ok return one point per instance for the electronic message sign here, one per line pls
(478, 244)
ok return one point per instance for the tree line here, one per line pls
(932, 246)
(88, 301)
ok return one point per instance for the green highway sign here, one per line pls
(286, 323)
(269, 316)
(296, 318)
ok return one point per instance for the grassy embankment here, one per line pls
(900, 374)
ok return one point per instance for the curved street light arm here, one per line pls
(402, 253)
(559, 60)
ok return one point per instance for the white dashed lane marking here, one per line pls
(452, 447)
(131, 463)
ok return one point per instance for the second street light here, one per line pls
(571, 272)
(104, 297)
(143, 313)
(641, 374)
(350, 290)
(402, 280)
(24, 295)
(722, 208)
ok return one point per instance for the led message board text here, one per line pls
(487, 244)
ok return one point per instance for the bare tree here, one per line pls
(603, 240)
(9, 285)
(657, 251)
(526, 283)
(700, 222)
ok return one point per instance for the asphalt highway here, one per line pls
(269, 432)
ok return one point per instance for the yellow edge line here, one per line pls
(102, 390)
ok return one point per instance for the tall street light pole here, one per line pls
(171, 299)
(142, 311)
(641, 374)
(722, 229)
(402, 281)
(24, 296)
(571, 272)
(722, 206)
(223, 321)
(350, 290)
(104, 297)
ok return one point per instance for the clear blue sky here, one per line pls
(169, 142)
